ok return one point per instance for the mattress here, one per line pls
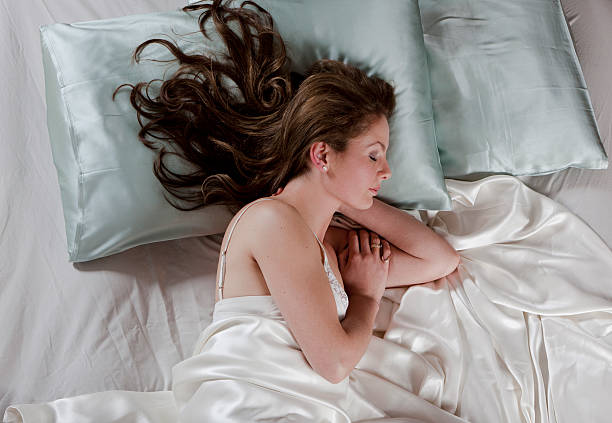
(122, 322)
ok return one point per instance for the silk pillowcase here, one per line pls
(507, 89)
(110, 196)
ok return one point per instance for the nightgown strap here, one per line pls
(222, 269)
(223, 253)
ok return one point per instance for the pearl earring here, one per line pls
(324, 167)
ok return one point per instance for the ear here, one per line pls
(318, 154)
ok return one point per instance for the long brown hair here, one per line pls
(243, 147)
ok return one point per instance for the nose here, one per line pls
(386, 172)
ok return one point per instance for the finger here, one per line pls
(386, 251)
(365, 240)
(353, 243)
(375, 241)
(343, 257)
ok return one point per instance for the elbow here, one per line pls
(445, 264)
(334, 373)
(338, 376)
(329, 364)
(452, 262)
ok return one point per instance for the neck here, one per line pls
(312, 201)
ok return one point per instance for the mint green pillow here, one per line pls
(111, 198)
(507, 89)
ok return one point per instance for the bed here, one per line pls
(122, 322)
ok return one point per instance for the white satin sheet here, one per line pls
(520, 332)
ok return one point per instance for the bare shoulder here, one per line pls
(270, 226)
(253, 216)
(273, 216)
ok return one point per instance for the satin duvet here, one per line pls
(520, 332)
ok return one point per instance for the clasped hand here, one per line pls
(361, 263)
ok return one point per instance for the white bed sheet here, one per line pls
(123, 321)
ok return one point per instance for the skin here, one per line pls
(416, 253)
(316, 196)
(319, 193)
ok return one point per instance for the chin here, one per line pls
(362, 204)
(368, 203)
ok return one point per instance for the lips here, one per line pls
(375, 190)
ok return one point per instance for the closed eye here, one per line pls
(373, 158)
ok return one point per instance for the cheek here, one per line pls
(353, 178)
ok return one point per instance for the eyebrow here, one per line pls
(378, 142)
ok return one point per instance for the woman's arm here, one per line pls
(418, 254)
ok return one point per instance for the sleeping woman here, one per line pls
(297, 298)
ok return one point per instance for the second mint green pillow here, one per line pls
(507, 89)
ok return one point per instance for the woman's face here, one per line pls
(363, 166)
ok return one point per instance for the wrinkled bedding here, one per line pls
(520, 332)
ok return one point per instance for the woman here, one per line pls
(318, 143)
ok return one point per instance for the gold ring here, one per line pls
(375, 245)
